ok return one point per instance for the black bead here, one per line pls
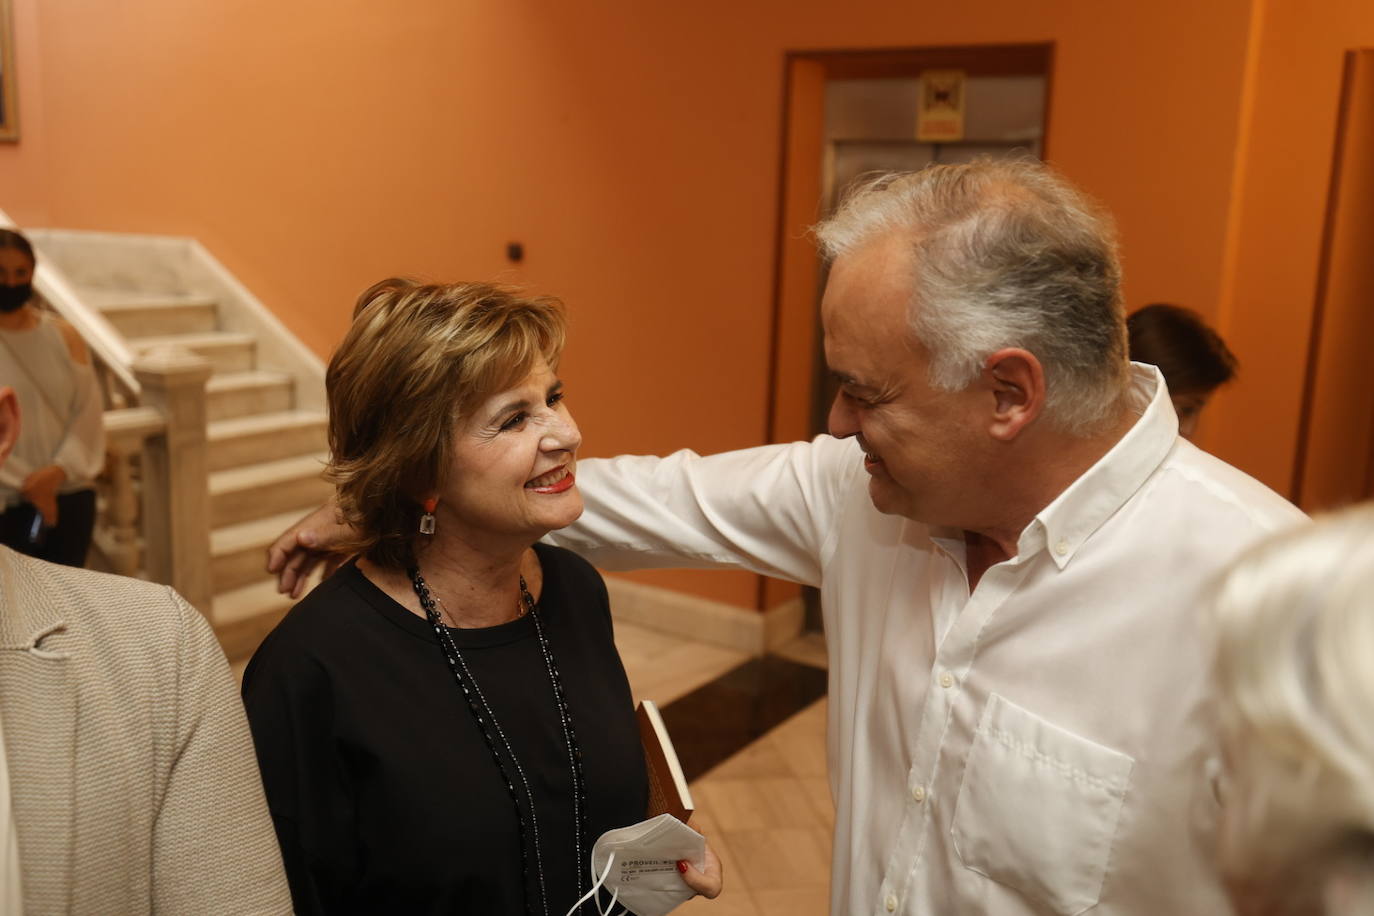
(482, 713)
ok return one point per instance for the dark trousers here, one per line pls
(66, 542)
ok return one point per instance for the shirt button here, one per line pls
(1061, 548)
(919, 793)
(946, 680)
(891, 903)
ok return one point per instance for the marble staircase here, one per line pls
(265, 454)
(264, 402)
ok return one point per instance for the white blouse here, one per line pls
(61, 415)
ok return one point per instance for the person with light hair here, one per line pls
(1011, 543)
(1295, 669)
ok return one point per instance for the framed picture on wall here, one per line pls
(9, 111)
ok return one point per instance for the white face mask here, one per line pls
(638, 864)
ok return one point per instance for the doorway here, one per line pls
(1335, 457)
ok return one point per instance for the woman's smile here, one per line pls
(556, 481)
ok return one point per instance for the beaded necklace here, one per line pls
(487, 724)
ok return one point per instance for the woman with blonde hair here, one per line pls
(1295, 663)
(444, 725)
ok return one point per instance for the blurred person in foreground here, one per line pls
(47, 486)
(1295, 665)
(1192, 357)
(127, 777)
(444, 725)
(1011, 542)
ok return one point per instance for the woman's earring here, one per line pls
(427, 520)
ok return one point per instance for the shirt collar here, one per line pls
(1063, 525)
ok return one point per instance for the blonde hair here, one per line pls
(417, 359)
(1295, 668)
(1006, 253)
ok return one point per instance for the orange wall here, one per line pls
(1336, 466)
(633, 147)
(1284, 176)
(24, 165)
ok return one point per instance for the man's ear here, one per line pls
(1017, 382)
(9, 422)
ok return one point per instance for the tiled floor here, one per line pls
(808, 649)
(766, 810)
(767, 813)
(663, 667)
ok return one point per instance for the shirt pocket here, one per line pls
(1038, 808)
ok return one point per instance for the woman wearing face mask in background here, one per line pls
(444, 725)
(47, 485)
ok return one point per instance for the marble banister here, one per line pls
(126, 430)
(175, 495)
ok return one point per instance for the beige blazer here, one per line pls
(132, 774)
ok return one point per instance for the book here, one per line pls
(668, 792)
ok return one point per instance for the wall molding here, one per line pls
(703, 620)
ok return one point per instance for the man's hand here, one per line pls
(304, 546)
(706, 882)
(40, 488)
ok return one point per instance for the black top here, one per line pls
(384, 794)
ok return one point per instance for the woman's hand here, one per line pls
(706, 882)
(305, 545)
(40, 488)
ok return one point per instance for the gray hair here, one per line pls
(1294, 626)
(1006, 254)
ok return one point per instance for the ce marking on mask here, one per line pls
(646, 880)
(633, 870)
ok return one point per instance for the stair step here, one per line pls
(227, 351)
(136, 314)
(238, 394)
(265, 437)
(268, 488)
(238, 553)
(243, 616)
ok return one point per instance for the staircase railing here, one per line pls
(154, 480)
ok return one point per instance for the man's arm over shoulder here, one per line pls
(214, 849)
(770, 509)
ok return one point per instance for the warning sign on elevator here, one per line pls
(940, 117)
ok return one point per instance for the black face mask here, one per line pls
(14, 297)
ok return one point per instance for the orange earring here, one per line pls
(427, 520)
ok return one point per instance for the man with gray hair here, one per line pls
(1010, 541)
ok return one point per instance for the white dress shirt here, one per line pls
(1039, 746)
